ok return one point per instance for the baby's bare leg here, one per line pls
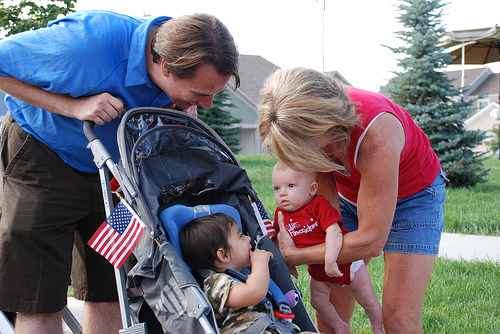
(320, 301)
(362, 289)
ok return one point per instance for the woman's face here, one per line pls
(328, 148)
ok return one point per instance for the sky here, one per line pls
(343, 36)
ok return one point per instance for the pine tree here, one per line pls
(221, 120)
(428, 95)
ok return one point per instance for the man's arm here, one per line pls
(99, 108)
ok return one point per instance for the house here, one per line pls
(254, 71)
(482, 87)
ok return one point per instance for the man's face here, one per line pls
(196, 91)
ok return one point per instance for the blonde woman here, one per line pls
(379, 172)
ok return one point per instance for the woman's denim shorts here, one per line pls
(418, 221)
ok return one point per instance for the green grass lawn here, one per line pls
(475, 210)
(462, 297)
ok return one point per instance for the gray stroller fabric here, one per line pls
(159, 279)
(171, 158)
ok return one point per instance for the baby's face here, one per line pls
(240, 248)
(292, 189)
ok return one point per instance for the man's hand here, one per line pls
(101, 108)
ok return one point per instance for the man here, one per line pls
(91, 65)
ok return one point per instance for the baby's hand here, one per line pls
(260, 254)
(332, 270)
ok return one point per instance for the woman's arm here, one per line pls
(99, 108)
(378, 164)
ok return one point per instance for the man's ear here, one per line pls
(164, 69)
(314, 188)
(223, 256)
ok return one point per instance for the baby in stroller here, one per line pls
(215, 242)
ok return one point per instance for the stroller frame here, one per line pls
(105, 164)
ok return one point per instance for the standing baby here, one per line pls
(310, 219)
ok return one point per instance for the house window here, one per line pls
(482, 103)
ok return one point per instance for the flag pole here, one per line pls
(323, 40)
(119, 273)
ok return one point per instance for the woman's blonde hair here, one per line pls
(298, 107)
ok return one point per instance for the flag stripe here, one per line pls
(97, 235)
(121, 246)
(134, 242)
(266, 225)
(118, 235)
(109, 242)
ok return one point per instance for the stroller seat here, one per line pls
(174, 218)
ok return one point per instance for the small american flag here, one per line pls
(118, 235)
(266, 225)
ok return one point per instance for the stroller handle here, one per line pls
(88, 130)
(88, 126)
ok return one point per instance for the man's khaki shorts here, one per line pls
(48, 213)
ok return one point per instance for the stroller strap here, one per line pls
(259, 326)
(275, 297)
(263, 323)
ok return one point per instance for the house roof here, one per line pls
(470, 75)
(338, 78)
(254, 71)
(480, 80)
(490, 85)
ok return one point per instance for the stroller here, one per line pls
(172, 160)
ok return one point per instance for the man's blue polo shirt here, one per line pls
(83, 54)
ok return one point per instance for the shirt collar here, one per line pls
(137, 73)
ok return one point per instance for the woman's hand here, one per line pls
(286, 244)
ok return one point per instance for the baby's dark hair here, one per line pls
(202, 237)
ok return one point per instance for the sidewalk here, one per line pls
(453, 246)
(470, 247)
